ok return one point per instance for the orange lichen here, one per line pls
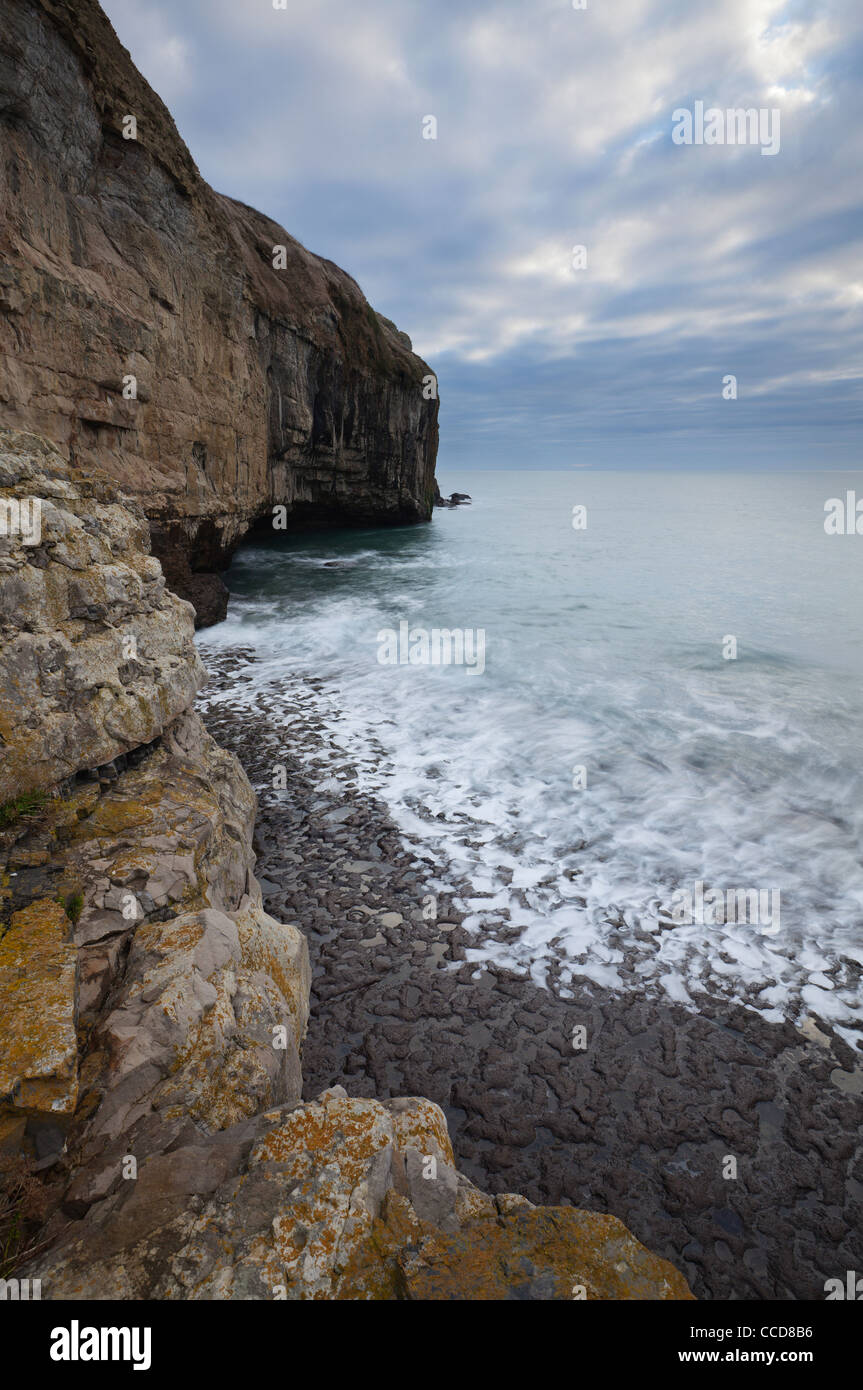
(550, 1252)
(38, 1064)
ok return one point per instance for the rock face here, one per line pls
(152, 327)
(117, 810)
(98, 656)
(153, 1014)
(39, 1066)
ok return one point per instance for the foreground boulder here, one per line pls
(342, 1199)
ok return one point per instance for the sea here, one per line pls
(618, 714)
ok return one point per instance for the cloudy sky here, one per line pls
(554, 130)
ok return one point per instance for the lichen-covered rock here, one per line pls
(151, 328)
(38, 1014)
(96, 655)
(341, 1199)
(132, 930)
(335, 1160)
(547, 1253)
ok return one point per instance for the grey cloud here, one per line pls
(555, 129)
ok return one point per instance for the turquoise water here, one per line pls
(603, 651)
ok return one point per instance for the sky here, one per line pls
(554, 130)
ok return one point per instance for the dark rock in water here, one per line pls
(176, 339)
(455, 499)
(208, 595)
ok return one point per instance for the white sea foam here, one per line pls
(743, 775)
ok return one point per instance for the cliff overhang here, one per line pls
(174, 338)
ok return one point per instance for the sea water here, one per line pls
(670, 704)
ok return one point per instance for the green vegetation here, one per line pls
(374, 322)
(22, 805)
(73, 904)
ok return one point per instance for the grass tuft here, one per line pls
(22, 805)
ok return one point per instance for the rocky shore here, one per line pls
(641, 1122)
(223, 1080)
(175, 368)
(154, 1139)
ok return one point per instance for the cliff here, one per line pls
(149, 330)
(153, 1013)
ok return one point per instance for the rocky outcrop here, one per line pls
(455, 499)
(179, 341)
(117, 810)
(153, 1013)
(98, 655)
(340, 1199)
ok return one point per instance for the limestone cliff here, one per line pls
(152, 1014)
(150, 328)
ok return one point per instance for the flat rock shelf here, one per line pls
(642, 1122)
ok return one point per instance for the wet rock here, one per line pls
(455, 499)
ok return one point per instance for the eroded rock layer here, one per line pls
(150, 327)
(153, 1014)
